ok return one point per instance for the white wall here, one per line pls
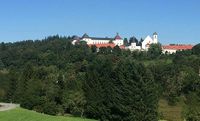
(87, 40)
(74, 42)
(133, 47)
(169, 51)
(147, 40)
(118, 42)
(100, 41)
(155, 39)
(145, 44)
(90, 41)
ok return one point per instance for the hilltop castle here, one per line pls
(117, 41)
(142, 45)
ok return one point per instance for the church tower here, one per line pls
(155, 38)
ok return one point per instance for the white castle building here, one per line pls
(117, 40)
(134, 45)
(144, 44)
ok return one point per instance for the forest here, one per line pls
(53, 76)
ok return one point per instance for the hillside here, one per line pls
(52, 76)
(20, 114)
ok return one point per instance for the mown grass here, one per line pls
(171, 113)
(20, 114)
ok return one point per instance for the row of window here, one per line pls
(96, 42)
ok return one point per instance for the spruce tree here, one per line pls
(97, 88)
(136, 97)
(124, 92)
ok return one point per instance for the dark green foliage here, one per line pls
(4, 86)
(1, 65)
(96, 86)
(94, 48)
(196, 49)
(192, 110)
(3, 46)
(154, 51)
(135, 86)
(10, 96)
(116, 50)
(126, 43)
(55, 77)
(126, 92)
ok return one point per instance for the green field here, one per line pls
(20, 114)
(171, 113)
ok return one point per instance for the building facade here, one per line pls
(143, 45)
(117, 40)
(170, 49)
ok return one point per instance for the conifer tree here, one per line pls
(124, 93)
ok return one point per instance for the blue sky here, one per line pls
(176, 21)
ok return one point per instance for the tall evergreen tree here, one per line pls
(97, 87)
(10, 97)
(126, 42)
(154, 51)
(125, 93)
(136, 95)
(196, 49)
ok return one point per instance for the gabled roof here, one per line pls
(148, 38)
(75, 37)
(155, 33)
(99, 38)
(85, 36)
(112, 45)
(117, 36)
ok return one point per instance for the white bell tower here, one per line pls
(155, 38)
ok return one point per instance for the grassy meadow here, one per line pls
(20, 114)
(171, 113)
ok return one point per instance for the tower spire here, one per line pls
(155, 38)
(118, 37)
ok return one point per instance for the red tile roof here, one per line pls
(112, 45)
(117, 37)
(122, 47)
(178, 47)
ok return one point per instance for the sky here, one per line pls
(175, 21)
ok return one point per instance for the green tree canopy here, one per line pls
(196, 49)
(155, 50)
